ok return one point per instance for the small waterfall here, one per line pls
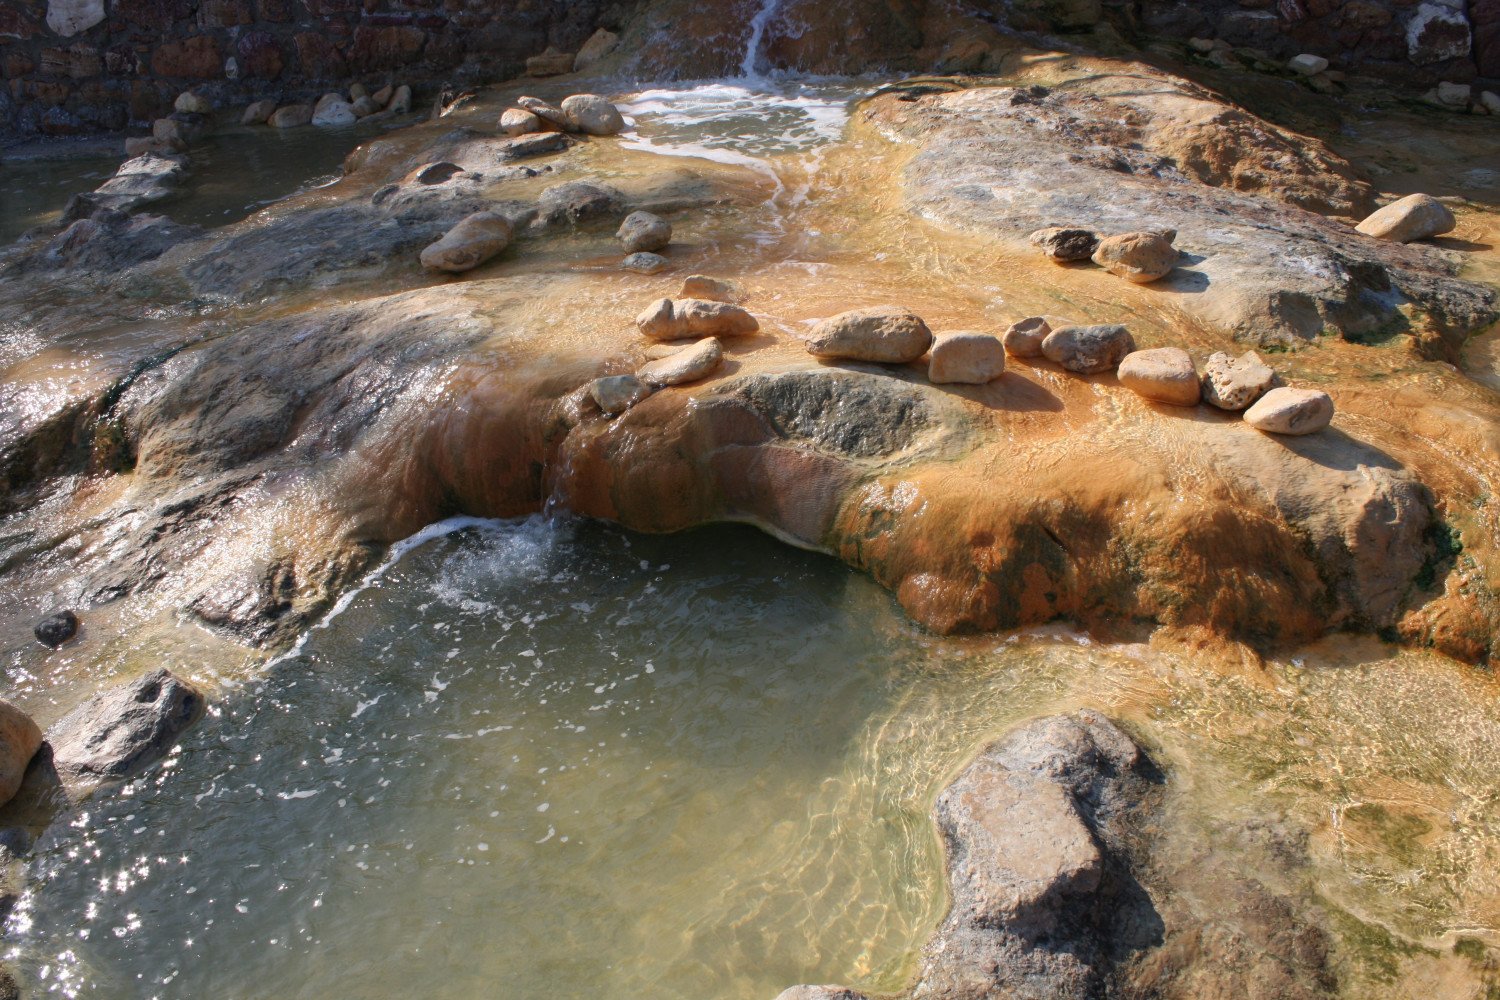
(758, 24)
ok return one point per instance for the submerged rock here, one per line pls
(122, 731)
(884, 334)
(966, 357)
(258, 113)
(1162, 374)
(699, 286)
(593, 115)
(19, 741)
(1291, 411)
(335, 112)
(56, 628)
(577, 202)
(470, 243)
(1415, 217)
(646, 263)
(1065, 245)
(291, 116)
(686, 365)
(644, 231)
(1024, 338)
(1235, 383)
(143, 180)
(1088, 350)
(617, 393)
(1138, 257)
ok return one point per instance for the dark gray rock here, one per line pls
(1088, 350)
(850, 414)
(56, 629)
(122, 731)
(1065, 245)
(578, 202)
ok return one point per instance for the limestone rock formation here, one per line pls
(1142, 151)
(885, 334)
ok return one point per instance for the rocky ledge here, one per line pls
(1057, 894)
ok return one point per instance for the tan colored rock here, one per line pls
(699, 286)
(617, 393)
(514, 122)
(646, 263)
(364, 107)
(600, 44)
(400, 100)
(20, 738)
(686, 365)
(291, 116)
(668, 320)
(550, 63)
(1024, 338)
(966, 357)
(190, 103)
(548, 113)
(884, 334)
(330, 114)
(593, 115)
(1064, 246)
(470, 243)
(356, 91)
(258, 113)
(383, 96)
(1137, 257)
(1415, 217)
(1161, 374)
(642, 231)
(1291, 411)
(1088, 350)
(1234, 383)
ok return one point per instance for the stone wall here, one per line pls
(1416, 42)
(76, 66)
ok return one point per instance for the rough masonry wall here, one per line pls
(76, 66)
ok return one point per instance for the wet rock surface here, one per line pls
(122, 731)
(1265, 266)
(56, 628)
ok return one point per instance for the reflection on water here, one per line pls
(34, 191)
(535, 759)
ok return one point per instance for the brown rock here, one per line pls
(1291, 411)
(1088, 350)
(258, 113)
(1162, 374)
(291, 116)
(1024, 338)
(1137, 257)
(966, 358)
(686, 365)
(550, 63)
(259, 55)
(390, 47)
(514, 122)
(1065, 246)
(699, 286)
(20, 738)
(642, 231)
(1234, 383)
(884, 334)
(1415, 217)
(549, 113)
(470, 243)
(668, 320)
(600, 44)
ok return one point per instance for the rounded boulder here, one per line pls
(885, 334)
(1161, 374)
(1088, 350)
